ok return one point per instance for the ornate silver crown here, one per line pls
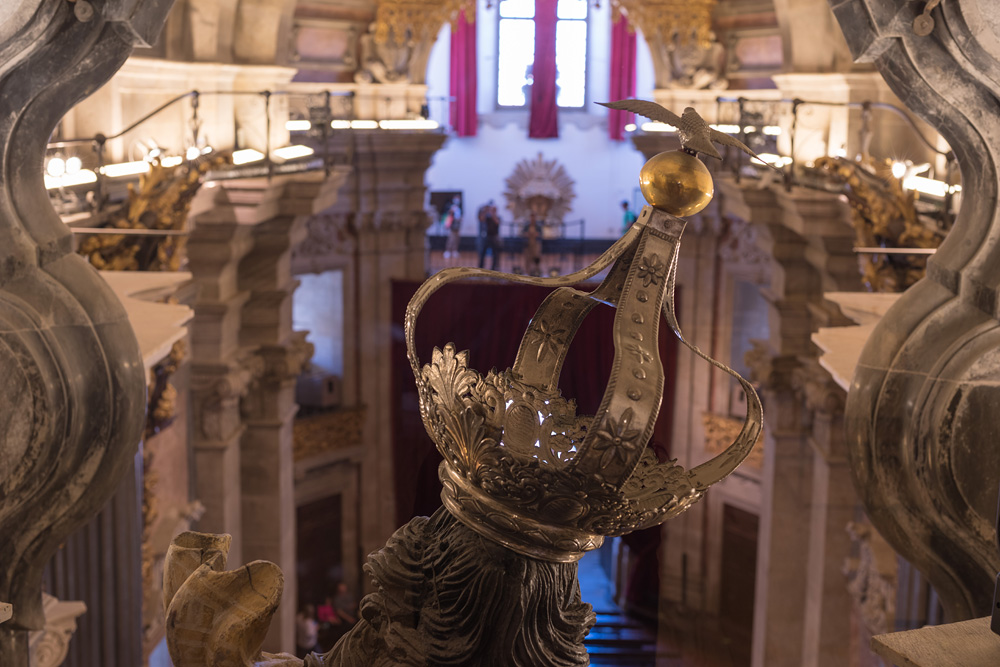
(520, 466)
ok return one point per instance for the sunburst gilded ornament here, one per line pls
(521, 467)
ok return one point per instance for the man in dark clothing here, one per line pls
(489, 234)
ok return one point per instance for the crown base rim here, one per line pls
(508, 528)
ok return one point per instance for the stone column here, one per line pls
(246, 359)
(803, 504)
(784, 528)
(834, 505)
(682, 575)
(221, 370)
(269, 408)
(376, 234)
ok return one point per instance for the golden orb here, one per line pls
(676, 182)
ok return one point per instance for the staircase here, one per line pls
(619, 640)
(615, 639)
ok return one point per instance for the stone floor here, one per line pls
(694, 640)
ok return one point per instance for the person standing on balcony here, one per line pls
(489, 234)
(453, 223)
(628, 217)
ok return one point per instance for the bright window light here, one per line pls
(772, 130)
(516, 46)
(292, 152)
(340, 124)
(408, 124)
(245, 155)
(571, 60)
(125, 169)
(516, 52)
(171, 161)
(778, 161)
(364, 125)
(728, 129)
(658, 127)
(81, 177)
(928, 186)
(630, 127)
(297, 125)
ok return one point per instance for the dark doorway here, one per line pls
(319, 565)
(739, 574)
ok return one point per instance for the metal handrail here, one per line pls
(797, 102)
(101, 138)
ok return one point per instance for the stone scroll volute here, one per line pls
(72, 386)
(921, 412)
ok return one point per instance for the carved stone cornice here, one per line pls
(741, 253)
(871, 578)
(818, 388)
(324, 432)
(722, 430)
(770, 371)
(216, 382)
(285, 362)
(73, 388)
(50, 645)
(381, 205)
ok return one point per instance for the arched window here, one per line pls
(516, 52)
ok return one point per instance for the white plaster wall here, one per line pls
(318, 307)
(605, 171)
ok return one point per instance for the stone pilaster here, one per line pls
(246, 359)
(682, 572)
(375, 234)
(221, 371)
(802, 607)
(267, 460)
(827, 617)
(783, 537)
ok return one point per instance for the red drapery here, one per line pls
(463, 77)
(544, 123)
(622, 76)
(459, 313)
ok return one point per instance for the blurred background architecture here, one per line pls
(266, 183)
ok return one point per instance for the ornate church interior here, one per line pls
(217, 218)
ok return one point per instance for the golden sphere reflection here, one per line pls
(676, 182)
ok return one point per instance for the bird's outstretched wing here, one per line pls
(650, 110)
(726, 140)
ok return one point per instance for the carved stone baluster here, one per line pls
(920, 412)
(73, 385)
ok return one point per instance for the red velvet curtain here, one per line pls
(622, 76)
(488, 319)
(462, 108)
(544, 123)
